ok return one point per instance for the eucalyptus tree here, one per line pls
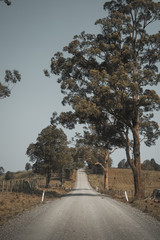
(108, 78)
(50, 152)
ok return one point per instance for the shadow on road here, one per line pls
(82, 192)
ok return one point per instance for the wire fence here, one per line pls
(29, 184)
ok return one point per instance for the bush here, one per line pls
(123, 164)
(28, 166)
(9, 175)
(150, 165)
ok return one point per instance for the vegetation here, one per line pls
(11, 77)
(50, 152)
(9, 175)
(6, 2)
(150, 165)
(1, 171)
(12, 203)
(108, 79)
(28, 166)
(123, 164)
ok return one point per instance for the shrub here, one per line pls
(9, 175)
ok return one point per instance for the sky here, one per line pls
(30, 33)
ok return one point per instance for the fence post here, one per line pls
(3, 186)
(10, 185)
(7, 186)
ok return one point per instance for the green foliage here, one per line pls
(28, 166)
(123, 164)
(150, 165)
(87, 151)
(50, 152)
(11, 78)
(107, 78)
(104, 77)
(9, 175)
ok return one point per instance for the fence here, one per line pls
(19, 185)
(29, 184)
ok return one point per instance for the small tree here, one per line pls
(50, 152)
(11, 77)
(28, 166)
(123, 164)
(9, 175)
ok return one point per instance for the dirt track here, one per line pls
(82, 214)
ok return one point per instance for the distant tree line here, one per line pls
(146, 165)
(150, 165)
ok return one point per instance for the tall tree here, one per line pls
(50, 152)
(108, 78)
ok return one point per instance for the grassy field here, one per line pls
(121, 180)
(13, 203)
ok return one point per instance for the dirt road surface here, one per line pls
(82, 214)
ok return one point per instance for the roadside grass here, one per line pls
(13, 203)
(121, 180)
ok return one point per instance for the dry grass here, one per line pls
(12, 203)
(121, 180)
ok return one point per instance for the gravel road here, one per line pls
(82, 214)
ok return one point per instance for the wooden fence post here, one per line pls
(10, 185)
(3, 186)
(6, 186)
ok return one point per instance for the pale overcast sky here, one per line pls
(31, 31)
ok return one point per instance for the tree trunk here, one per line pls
(48, 177)
(61, 176)
(135, 163)
(106, 185)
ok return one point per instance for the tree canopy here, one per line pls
(150, 165)
(50, 152)
(123, 164)
(108, 79)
